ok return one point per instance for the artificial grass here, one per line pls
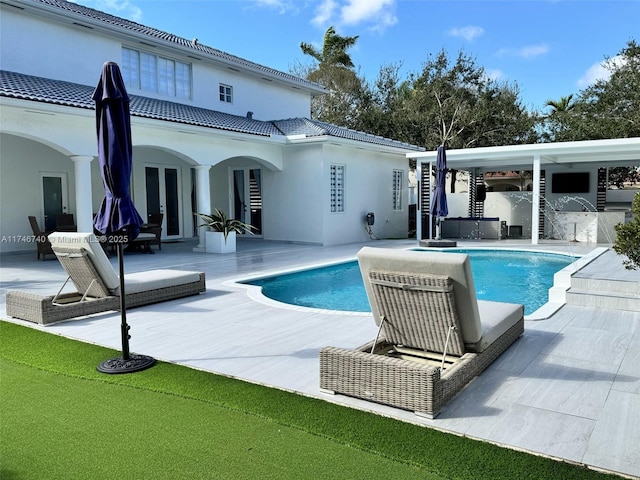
(61, 418)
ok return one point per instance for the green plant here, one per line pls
(628, 238)
(218, 221)
(59, 413)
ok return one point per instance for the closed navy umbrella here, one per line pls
(439, 199)
(117, 218)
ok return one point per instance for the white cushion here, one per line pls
(90, 243)
(155, 279)
(496, 318)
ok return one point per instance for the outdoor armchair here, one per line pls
(43, 245)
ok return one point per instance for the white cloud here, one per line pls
(494, 74)
(469, 33)
(378, 14)
(530, 51)
(324, 13)
(599, 71)
(283, 6)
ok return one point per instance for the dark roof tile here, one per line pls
(45, 90)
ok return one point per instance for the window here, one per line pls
(337, 188)
(151, 73)
(226, 93)
(397, 189)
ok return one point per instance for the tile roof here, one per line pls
(155, 34)
(312, 128)
(45, 90)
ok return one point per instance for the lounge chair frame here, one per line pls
(92, 296)
(418, 310)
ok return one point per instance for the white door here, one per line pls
(163, 195)
(55, 198)
(246, 204)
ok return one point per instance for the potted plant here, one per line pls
(221, 237)
(628, 238)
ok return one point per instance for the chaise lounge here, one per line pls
(434, 335)
(97, 284)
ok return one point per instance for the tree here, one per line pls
(334, 50)
(628, 238)
(610, 108)
(335, 71)
(563, 105)
(457, 104)
(382, 105)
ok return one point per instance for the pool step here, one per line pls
(599, 293)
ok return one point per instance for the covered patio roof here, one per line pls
(619, 151)
(614, 152)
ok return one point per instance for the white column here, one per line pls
(418, 201)
(535, 201)
(203, 200)
(84, 200)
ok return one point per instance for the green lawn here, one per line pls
(60, 418)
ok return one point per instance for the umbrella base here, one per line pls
(135, 363)
(438, 243)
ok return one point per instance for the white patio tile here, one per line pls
(628, 377)
(590, 344)
(561, 384)
(615, 443)
(537, 430)
(568, 388)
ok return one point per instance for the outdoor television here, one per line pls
(577, 182)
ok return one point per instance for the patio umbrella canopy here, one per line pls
(117, 214)
(439, 199)
(117, 218)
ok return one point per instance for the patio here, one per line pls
(569, 388)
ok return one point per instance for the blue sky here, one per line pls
(550, 48)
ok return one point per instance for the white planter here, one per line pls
(214, 242)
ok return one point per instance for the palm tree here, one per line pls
(334, 50)
(563, 105)
(335, 72)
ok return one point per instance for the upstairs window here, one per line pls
(151, 73)
(226, 93)
(337, 188)
(397, 189)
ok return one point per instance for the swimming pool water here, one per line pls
(500, 275)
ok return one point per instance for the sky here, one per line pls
(548, 48)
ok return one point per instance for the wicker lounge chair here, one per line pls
(434, 336)
(97, 284)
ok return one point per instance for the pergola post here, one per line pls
(535, 201)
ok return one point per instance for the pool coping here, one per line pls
(556, 295)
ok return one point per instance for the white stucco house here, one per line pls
(209, 130)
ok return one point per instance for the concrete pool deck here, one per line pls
(569, 388)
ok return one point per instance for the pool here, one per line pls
(515, 276)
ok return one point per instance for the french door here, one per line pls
(54, 198)
(247, 197)
(163, 195)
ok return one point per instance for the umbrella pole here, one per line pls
(124, 328)
(127, 363)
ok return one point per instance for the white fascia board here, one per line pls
(623, 149)
(45, 108)
(344, 142)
